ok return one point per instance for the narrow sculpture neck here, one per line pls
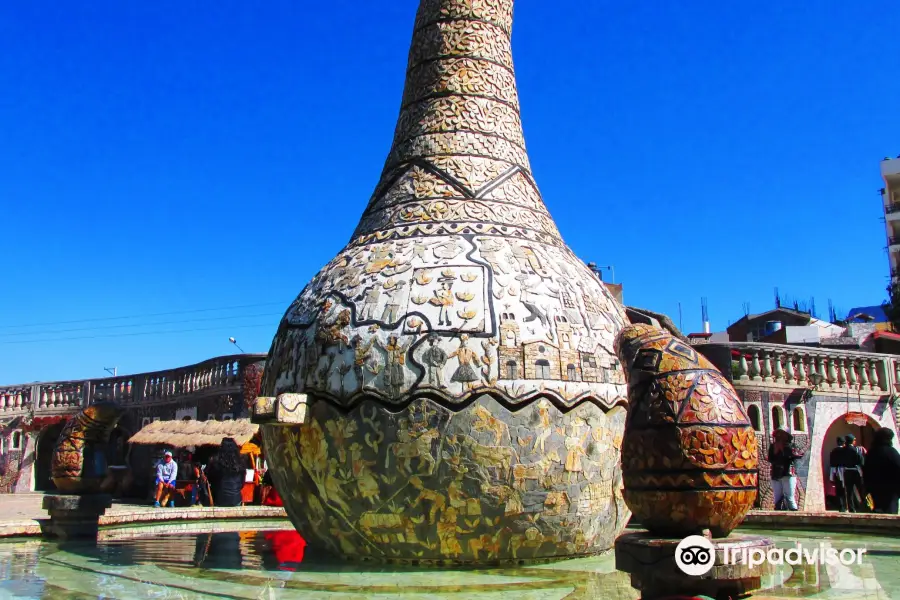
(460, 80)
(458, 161)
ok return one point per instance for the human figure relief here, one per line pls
(435, 358)
(363, 360)
(465, 373)
(443, 298)
(372, 295)
(490, 250)
(395, 299)
(545, 429)
(394, 365)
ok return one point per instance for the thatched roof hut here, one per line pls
(181, 434)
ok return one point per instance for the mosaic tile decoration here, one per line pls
(455, 296)
(690, 457)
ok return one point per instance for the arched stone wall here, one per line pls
(827, 411)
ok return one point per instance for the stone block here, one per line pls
(74, 517)
(654, 572)
(286, 409)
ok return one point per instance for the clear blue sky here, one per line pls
(164, 157)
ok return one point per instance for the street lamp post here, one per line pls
(234, 341)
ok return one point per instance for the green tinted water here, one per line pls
(266, 561)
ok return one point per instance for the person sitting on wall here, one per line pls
(166, 475)
(783, 458)
(882, 472)
(226, 474)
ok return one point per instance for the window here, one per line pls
(755, 420)
(799, 418)
(591, 362)
(777, 417)
(512, 370)
(146, 421)
(210, 417)
(17, 440)
(228, 417)
(571, 373)
(542, 369)
(510, 341)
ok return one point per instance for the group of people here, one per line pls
(218, 483)
(866, 480)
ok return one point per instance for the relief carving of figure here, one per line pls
(465, 373)
(443, 298)
(490, 250)
(394, 365)
(363, 360)
(395, 298)
(372, 296)
(435, 358)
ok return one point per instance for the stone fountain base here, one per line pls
(74, 517)
(650, 560)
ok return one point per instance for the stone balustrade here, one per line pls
(820, 369)
(223, 375)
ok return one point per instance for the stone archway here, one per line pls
(43, 456)
(840, 428)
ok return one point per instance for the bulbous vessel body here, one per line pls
(465, 402)
(78, 464)
(690, 457)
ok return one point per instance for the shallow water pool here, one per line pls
(268, 561)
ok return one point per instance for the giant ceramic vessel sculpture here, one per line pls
(689, 458)
(464, 400)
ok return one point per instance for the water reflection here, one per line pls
(273, 564)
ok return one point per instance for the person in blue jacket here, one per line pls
(166, 475)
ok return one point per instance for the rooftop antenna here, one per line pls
(832, 316)
(746, 308)
(777, 299)
(704, 309)
(680, 326)
(114, 371)
(812, 307)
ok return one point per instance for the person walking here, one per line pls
(836, 474)
(783, 457)
(882, 472)
(852, 458)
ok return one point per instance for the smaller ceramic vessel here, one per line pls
(78, 465)
(689, 455)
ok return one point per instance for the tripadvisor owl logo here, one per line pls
(695, 555)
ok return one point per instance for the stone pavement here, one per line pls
(20, 514)
(828, 521)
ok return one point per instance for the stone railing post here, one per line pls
(743, 370)
(755, 371)
(831, 375)
(864, 374)
(767, 366)
(789, 374)
(779, 367)
(801, 369)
